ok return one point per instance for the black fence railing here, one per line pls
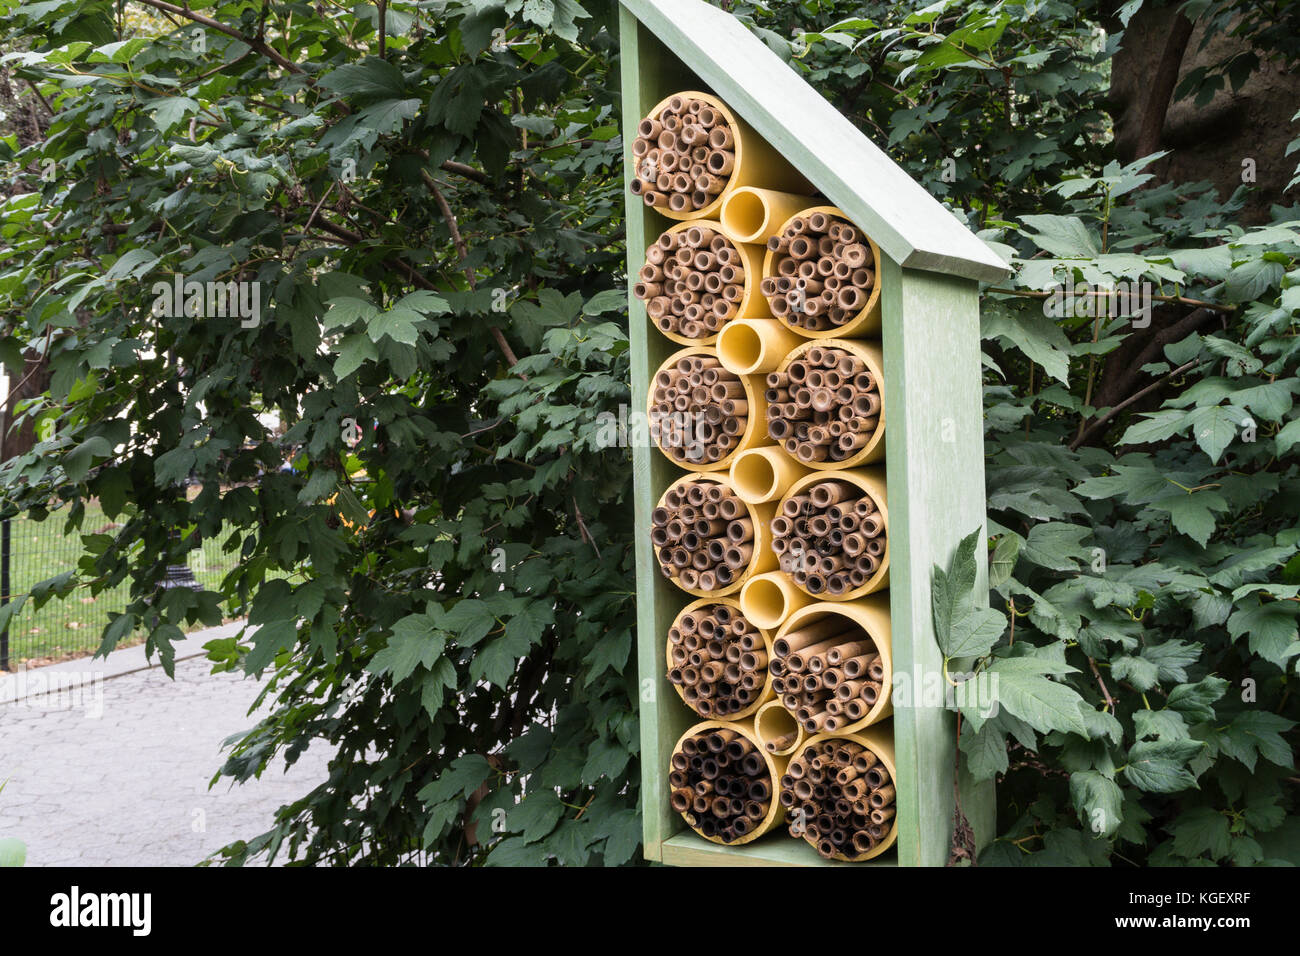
(35, 551)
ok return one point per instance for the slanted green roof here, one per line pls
(909, 225)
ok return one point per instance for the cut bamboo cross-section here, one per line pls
(707, 540)
(718, 660)
(840, 795)
(821, 281)
(832, 665)
(691, 151)
(702, 415)
(697, 279)
(752, 771)
(825, 404)
(831, 533)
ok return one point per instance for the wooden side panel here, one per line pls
(935, 460)
(649, 73)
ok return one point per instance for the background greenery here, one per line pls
(430, 196)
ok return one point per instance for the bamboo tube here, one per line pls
(878, 744)
(872, 448)
(709, 609)
(865, 321)
(762, 558)
(755, 346)
(770, 768)
(777, 730)
(749, 302)
(869, 615)
(688, 421)
(768, 599)
(753, 214)
(736, 154)
(763, 474)
(870, 482)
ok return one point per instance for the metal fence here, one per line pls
(32, 552)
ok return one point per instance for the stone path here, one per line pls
(113, 769)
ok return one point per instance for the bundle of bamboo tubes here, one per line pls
(839, 796)
(721, 784)
(824, 406)
(822, 272)
(830, 537)
(828, 674)
(717, 660)
(692, 282)
(698, 410)
(703, 535)
(684, 155)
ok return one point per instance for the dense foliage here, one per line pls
(434, 541)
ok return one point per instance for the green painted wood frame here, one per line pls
(935, 471)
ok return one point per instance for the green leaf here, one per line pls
(1137, 671)
(536, 815)
(371, 78)
(1042, 703)
(1271, 627)
(1156, 427)
(1003, 561)
(1214, 429)
(414, 643)
(466, 774)
(1257, 732)
(1195, 701)
(974, 632)
(1055, 545)
(1201, 830)
(268, 641)
(985, 750)
(605, 759)
(354, 351)
(1287, 437)
(398, 324)
(1033, 333)
(1098, 801)
(1063, 236)
(1159, 766)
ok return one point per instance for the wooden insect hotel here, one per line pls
(805, 338)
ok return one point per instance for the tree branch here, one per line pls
(463, 251)
(1098, 423)
(260, 46)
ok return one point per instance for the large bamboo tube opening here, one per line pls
(707, 540)
(816, 645)
(763, 474)
(777, 729)
(834, 270)
(825, 404)
(732, 679)
(755, 346)
(753, 214)
(768, 599)
(695, 136)
(859, 824)
(831, 534)
(700, 414)
(729, 791)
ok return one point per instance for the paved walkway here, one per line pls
(113, 768)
